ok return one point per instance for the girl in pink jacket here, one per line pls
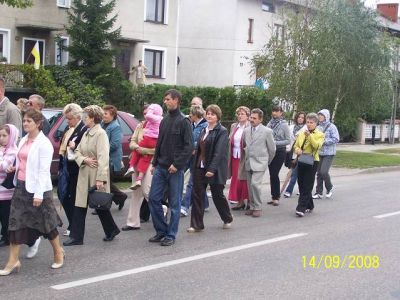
(140, 162)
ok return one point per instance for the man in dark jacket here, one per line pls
(173, 151)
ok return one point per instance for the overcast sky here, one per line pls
(373, 3)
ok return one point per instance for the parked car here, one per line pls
(58, 123)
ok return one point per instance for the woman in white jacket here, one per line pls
(32, 211)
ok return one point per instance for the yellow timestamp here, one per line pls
(340, 262)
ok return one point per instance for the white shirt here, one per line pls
(204, 137)
(237, 139)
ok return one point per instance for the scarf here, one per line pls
(274, 123)
(296, 128)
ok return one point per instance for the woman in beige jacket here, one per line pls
(92, 157)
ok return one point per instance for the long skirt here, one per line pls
(28, 222)
(238, 190)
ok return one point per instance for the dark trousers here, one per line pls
(119, 196)
(325, 163)
(305, 180)
(274, 168)
(69, 203)
(198, 192)
(79, 219)
(4, 216)
(145, 211)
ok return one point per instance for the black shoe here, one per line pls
(94, 213)
(127, 228)
(122, 201)
(4, 243)
(72, 242)
(144, 220)
(111, 236)
(156, 239)
(239, 207)
(167, 242)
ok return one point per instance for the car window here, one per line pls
(52, 116)
(60, 130)
(125, 128)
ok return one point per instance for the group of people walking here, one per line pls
(163, 149)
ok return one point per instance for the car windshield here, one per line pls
(52, 116)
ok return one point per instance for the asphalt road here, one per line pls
(258, 258)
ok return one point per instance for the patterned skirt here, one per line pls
(28, 222)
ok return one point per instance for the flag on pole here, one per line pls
(36, 54)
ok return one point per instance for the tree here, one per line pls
(92, 36)
(17, 3)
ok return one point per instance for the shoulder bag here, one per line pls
(99, 200)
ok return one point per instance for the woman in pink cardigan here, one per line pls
(8, 150)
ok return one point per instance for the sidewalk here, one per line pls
(365, 148)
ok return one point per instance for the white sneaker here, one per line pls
(227, 225)
(207, 209)
(329, 193)
(66, 233)
(130, 171)
(299, 213)
(287, 195)
(32, 251)
(317, 196)
(165, 210)
(184, 213)
(298, 193)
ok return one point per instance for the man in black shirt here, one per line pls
(173, 151)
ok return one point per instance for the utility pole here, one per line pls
(395, 97)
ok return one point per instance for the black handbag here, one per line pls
(8, 183)
(99, 200)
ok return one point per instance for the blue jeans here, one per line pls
(173, 184)
(293, 180)
(187, 200)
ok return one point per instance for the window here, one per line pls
(155, 11)
(268, 5)
(250, 31)
(4, 45)
(61, 54)
(27, 46)
(153, 60)
(64, 3)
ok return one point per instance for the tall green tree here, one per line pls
(92, 34)
(17, 3)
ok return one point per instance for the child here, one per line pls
(140, 162)
(8, 150)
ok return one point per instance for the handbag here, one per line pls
(63, 181)
(99, 200)
(306, 158)
(8, 183)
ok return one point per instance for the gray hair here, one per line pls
(40, 100)
(312, 116)
(74, 109)
(258, 111)
(199, 99)
(197, 110)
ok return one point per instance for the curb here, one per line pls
(380, 170)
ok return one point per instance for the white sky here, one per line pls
(373, 3)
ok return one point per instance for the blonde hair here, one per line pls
(74, 109)
(243, 108)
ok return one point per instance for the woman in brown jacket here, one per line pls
(92, 157)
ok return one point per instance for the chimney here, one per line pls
(389, 11)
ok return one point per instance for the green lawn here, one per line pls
(364, 160)
(123, 185)
(389, 151)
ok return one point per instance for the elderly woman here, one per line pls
(114, 132)
(238, 192)
(210, 167)
(196, 115)
(71, 138)
(33, 213)
(133, 220)
(92, 157)
(308, 143)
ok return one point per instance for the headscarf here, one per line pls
(13, 138)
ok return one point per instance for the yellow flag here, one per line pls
(36, 54)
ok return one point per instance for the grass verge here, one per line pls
(364, 160)
(389, 151)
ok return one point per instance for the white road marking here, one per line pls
(77, 283)
(387, 215)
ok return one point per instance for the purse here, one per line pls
(8, 183)
(306, 158)
(99, 200)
